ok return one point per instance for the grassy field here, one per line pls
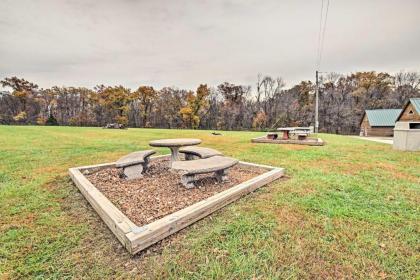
(349, 209)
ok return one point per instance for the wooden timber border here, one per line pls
(309, 141)
(135, 238)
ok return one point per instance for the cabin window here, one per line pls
(410, 112)
(414, 125)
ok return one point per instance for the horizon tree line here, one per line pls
(343, 99)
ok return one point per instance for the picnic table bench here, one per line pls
(201, 152)
(216, 164)
(301, 132)
(134, 164)
(302, 135)
(272, 135)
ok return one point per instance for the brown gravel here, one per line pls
(160, 192)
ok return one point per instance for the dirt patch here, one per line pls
(160, 192)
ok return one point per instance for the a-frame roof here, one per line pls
(416, 104)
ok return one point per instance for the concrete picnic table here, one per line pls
(286, 131)
(174, 145)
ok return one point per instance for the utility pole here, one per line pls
(316, 102)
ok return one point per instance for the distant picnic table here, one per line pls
(301, 132)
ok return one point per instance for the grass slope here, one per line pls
(348, 210)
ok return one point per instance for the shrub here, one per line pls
(51, 120)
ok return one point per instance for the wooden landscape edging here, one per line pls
(135, 238)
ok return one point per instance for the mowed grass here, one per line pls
(349, 209)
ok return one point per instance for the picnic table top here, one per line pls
(176, 142)
(293, 129)
(285, 128)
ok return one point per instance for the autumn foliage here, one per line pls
(343, 99)
(196, 105)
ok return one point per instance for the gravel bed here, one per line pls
(160, 192)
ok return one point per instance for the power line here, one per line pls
(321, 34)
(321, 39)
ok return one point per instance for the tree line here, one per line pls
(267, 105)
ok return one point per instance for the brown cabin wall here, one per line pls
(405, 116)
(381, 131)
(367, 130)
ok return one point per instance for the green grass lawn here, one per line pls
(349, 209)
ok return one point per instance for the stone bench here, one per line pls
(201, 152)
(134, 164)
(272, 135)
(302, 135)
(216, 164)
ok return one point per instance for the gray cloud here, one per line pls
(184, 43)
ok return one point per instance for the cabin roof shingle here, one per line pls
(383, 117)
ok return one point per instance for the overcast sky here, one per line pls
(185, 43)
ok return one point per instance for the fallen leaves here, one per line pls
(160, 192)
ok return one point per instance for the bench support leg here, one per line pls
(188, 181)
(145, 164)
(221, 175)
(189, 156)
(133, 172)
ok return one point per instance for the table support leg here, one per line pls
(285, 135)
(174, 154)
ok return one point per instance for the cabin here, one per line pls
(407, 127)
(379, 122)
(411, 111)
